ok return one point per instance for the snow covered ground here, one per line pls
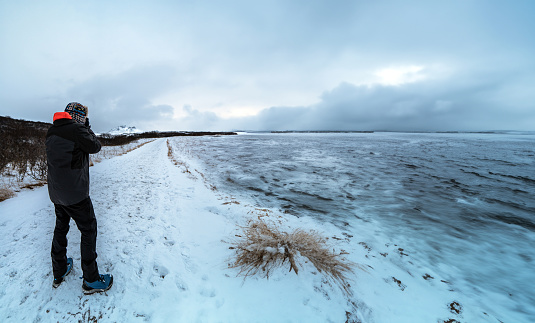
(161, 234)
(108, 152)
(165, 234)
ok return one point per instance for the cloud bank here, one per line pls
(458, 103)
(272, 65)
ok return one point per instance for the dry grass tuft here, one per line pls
(34, 185)
(264, 248)
(231, 202)
(6, 193)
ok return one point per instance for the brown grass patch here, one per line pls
(263, 248)
(6, 193)
(231, 202)
(34, 185)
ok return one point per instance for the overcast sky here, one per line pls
(272, 65)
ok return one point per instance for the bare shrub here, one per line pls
(264, 248)
(38, 168)
(22, 151)
(5, 193)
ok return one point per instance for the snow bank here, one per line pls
(163, 233)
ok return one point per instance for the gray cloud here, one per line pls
(139, 62)
(468, 104)
(125, 98)
(197, 120)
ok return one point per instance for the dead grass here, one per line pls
(34, 185)
(231, 202)
(177, 162)
(184, 165)
(6, 193)
(264, 248)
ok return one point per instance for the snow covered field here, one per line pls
(165, 235)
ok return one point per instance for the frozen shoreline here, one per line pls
(164, 233)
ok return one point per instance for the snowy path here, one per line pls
(160, 234)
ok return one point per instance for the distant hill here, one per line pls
(124, 130)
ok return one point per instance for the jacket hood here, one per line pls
(61, 115)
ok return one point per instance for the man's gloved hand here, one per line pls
(87, 123)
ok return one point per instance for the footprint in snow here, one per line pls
(161, 271)
(168, 243)
(190, 266)
(207, 290)
(181, 285)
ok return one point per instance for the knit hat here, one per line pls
(77, 111)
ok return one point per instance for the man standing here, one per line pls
(69, 142)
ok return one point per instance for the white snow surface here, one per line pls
(161, 235)
(165, 236)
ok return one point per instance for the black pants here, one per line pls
(83, 214)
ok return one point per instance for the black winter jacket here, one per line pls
(68, 145)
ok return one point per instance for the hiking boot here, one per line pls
(101, 285)
(58, 281)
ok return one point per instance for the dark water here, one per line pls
(451, 179)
